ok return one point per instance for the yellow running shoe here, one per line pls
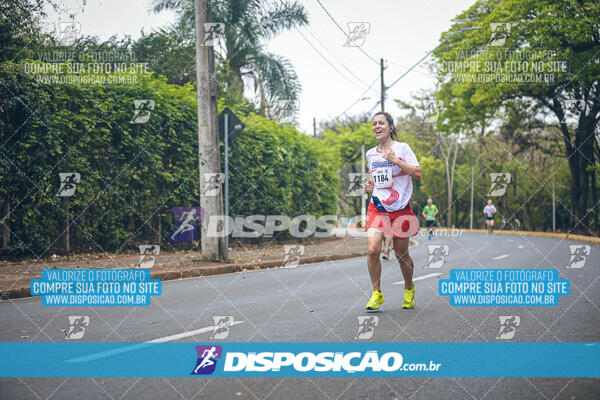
(409, 298)
(376, 300)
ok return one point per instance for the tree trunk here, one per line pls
(580, 155)
(480, 150)
(446, 146)
(158, 228)
(449, 209)
(578, 164)
(595, 200)
(450, 177)
(527, 223)
(78, 234)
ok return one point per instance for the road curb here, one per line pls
(238, 267)
(16, 293)
(569, 236)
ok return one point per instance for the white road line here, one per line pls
(188, 334)
(520, 246)
(419, 278)
(141, 345)
(501, 257)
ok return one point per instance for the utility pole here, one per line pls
(553, 197)
(208, 136)
(314, 127)
(226, 185)
(472, 181)
(382, 85)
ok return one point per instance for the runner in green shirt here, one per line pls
(430, 211)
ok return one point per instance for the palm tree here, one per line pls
(241, 57)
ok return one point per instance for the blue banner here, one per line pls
(96, 287)
(223, 359)
(504, 287)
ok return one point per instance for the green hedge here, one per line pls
(132, 174)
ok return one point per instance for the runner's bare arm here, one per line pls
(412, 170)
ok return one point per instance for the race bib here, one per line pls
(382, 177)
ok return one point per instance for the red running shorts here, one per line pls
(397, 224)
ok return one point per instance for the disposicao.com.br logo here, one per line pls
(326, 362)
(207, 359)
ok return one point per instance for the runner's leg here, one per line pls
(387, 243)
(374, 239)
(429, 229)
(406, 263)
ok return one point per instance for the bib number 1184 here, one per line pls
(382, 177)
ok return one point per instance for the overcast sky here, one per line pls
(401, 32)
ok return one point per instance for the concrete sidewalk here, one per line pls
(15, 277)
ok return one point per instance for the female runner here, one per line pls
(392, 165)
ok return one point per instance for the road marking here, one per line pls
(520, 246)
(141, 345)
(419, 278)
(501, 257)
(188, 334)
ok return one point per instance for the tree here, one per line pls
(432, 125)
(346, 143)
(170, 52)
(241, 57)
(449, 150)
(548, 35)
(19, 31)
(432, 181)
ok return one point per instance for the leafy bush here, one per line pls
(133, 174)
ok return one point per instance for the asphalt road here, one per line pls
(321, 302)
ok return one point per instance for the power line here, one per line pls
(361, 97)
(322, 56)
(334, 56)
(327, 61)
(373, 108)
(419, 69)
(344, 32)
(462, 30)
